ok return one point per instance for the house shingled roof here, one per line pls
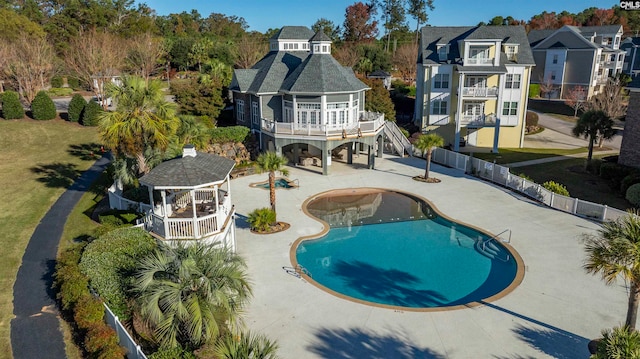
(320, 36)
(189, 171)
(431, 36)
(321, 73)
(293, 33)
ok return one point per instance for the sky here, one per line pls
(264, 14)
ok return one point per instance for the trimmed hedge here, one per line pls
(615, 173)
(629, 181)
(76, 108)
(56, 81)
(11, 106)
(229, 134)
(90, 114)
(42, 107)
(633, 195)
(117, 217)
(108, 260)
(73, 82)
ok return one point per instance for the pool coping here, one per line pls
(519, 277)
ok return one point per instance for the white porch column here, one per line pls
(323, 112)
(153, 205)
(456, 139)
(165, 213)
(295, 112)
(194, 222)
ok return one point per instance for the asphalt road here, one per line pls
(566, 128)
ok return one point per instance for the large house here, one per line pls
(472, 84)
(303, 104)
(631, 46)
(576, 56)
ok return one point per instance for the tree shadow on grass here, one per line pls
(390, 286)
(57, 174)
(86, 151)
(358, 343)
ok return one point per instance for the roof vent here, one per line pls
(188, 151)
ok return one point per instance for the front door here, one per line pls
(473, 111)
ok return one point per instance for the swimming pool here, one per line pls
(280, 182)
(393, 249)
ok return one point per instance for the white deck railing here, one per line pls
(369, 122)
(194, 228)
(480, 91)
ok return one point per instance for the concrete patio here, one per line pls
(556, 310)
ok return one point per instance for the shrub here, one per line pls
(90, 114)
(100, 337)
(42, 107)
(633, 195)
(618, 343)
(629, 181)
(405, 132)
(108, 260)
(532, 119)
(172, 353)
(229, 134)
(534, 90)
(73, 82)
(76, 108)
(261, 219)
(556, 188)
(88, 311)
(594, 166)
(56, 81)
(526, 177)
(11, 106)
(614, 173)
(59, 91)
(69, 281)
(118, 218)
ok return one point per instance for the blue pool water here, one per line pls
(280, 183)
(420, 262)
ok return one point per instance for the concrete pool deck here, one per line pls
(554, 313)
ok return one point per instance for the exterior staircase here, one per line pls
(399, 144)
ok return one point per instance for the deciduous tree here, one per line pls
(544, 21)
(249, 50)
(146, 55)
(576, 99)
(328, 28)
(359, 24)
(199, 97)
(346, 54)
(96, 58)
(405, 59)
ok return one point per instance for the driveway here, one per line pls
(566, 128)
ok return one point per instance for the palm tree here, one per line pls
(190, 295)
(245, 346)
(272, 162)
(615, 252)
(593, 125)
(619, 343)
(427, 143)
(143, 119)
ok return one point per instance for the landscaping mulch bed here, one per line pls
(428, 180)
(278, 227)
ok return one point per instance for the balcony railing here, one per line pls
(479, 91)
(369, 122)
(478, 61)
(478, 121)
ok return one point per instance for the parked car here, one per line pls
(108, 100)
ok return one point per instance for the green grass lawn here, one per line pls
(38, 161)
(581, 184)
(512, 155)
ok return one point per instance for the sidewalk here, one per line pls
(557, 158)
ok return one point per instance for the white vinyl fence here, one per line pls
(116, 201)
(501, 175)
(124, 339)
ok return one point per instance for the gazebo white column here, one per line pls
(165, 215)
(194, 221)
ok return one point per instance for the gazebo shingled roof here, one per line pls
(189, 171)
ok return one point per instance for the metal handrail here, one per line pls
(496, 237)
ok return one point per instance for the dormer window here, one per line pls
(442, 52)
(511, 51)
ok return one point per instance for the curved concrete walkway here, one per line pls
(35, 330)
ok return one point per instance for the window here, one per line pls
(240, 110)
(441, 81)
(555, 59)
(316, 48)
(513, 81)
(255, 113)
(325, 48)
(511, 51)
(510, 109)
(439, 107)
(553, 75)
(442, 52)
(288, 111)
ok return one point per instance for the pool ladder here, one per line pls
(302, 270)
(493, 248)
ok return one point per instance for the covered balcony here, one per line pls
(480, 91)
(368, 122)
(476, 121)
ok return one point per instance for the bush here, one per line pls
(76, 108)
(102, 338)
(629, 181)
(532, 119)
(88, 311)
(11, 106)
(534, 90)
(56, 81)
(261, 219)
(90, 114)
(594, 166)
(69, 281)
(556, 188)
(108, 261)
(229, 134)
(73, 82)
(118, 218)
(405, 132)
(526, 177)
(59, 91)
(633, 195)
(42, 107)
(172, 353)
(614, 173)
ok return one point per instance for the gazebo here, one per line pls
(191, 198)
